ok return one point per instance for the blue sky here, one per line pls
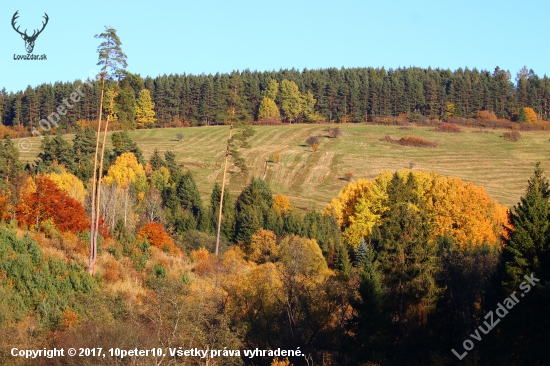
(163, 37)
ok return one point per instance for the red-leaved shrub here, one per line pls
(49, 202)
(156, 235)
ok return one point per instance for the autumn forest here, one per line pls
(102, 246)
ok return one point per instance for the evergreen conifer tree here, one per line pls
(170, 159)
(83, 151)
(253, 205)
(156, 160)
(361, 252)
(526, 251)
(10, 166)
(342, 262)
(407, 257)
(123, 143)
(189, 195)
(369, 320)
(526, 255)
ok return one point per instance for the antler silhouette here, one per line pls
(29, 40)
(15, 16)
(34, 35)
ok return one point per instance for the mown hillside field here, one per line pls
(312, 179)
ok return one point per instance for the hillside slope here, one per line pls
(312, 179)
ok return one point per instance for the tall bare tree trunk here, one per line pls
(93, 244)
(96, 230)
(223, 191)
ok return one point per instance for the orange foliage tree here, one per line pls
(4, 206)
(466, 212)
(281, 203)
(530, 114)
(48, 202)
(156, 235)
(486, 115)
(455, 207)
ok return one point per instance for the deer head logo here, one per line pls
(29, 40)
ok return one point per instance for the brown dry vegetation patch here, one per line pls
(448, 128)
(410, 141)
(511, 136)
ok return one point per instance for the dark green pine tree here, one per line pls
(360, 252)
(253, 205)
(375, 238)
(235, 99)
(275, 222)
(63, 151)
(47, 153)
(30, 107)
(190, 197)
(123, 143)
(342, 263)
(3, 104)
(56, 150)
(170, 158)
(182, 202)
(321, 228)
(369, 321)
(205, 109)
(407, 258)
(156, 160)
(10, 166)
(172, 208)
(293, 223)
(83, 152)
(125, 106)
(526, 251)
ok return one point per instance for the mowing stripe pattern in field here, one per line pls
(312, 179)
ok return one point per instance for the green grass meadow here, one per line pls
(312, 179)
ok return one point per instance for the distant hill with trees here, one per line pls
(332, 95)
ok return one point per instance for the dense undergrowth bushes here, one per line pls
(35, 285)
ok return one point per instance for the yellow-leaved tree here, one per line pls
(125, 171)
(454, 207)
(125, 186)
(530, 114)
(145, 109)
(466, 212)
(268, 110)
(160, 178)
(70, 184)
(281, 203)
(343, 206)
(263, 246)
(364, 211)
